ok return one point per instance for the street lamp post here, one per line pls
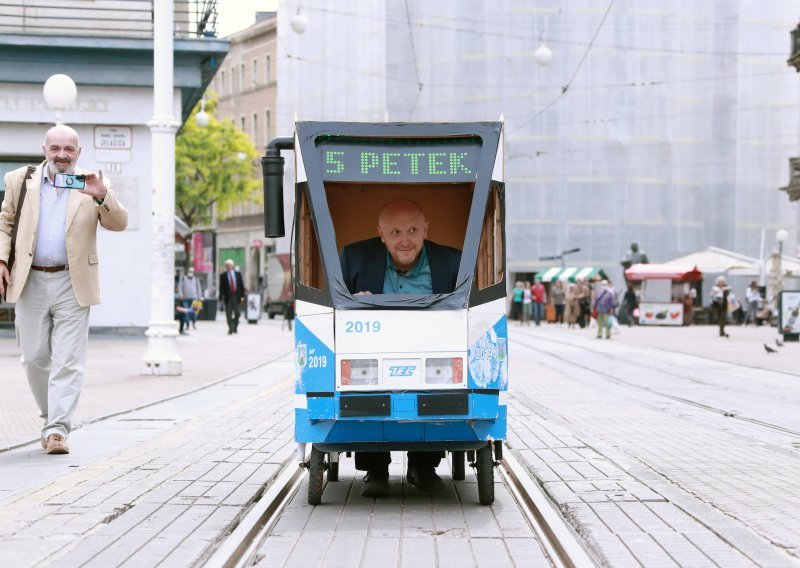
(781, 235)
(161, 356)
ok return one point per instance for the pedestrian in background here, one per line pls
(719, 304)
(188, 292)
(688, 306)
(572, 308)
(54, 278)
(629, 304)
(288, 313)
(558, 295)
(753, 298)
(584, 303)
(539, 295)
(231, 294)
(527, 303)
(605, 303)
(516, 302)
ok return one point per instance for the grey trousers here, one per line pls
(52, 331)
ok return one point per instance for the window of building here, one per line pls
(267, 126)
(233, 79)
(255, 128)
(221, 85)
(241, 77)
(255, 72)
(268, 70)
(243, 123)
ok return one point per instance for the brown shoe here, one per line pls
(44, 444)
(56, 444)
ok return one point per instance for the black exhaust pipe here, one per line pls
(272, 171)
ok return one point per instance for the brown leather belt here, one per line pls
(57, 268)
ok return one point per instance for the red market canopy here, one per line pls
(639, 272)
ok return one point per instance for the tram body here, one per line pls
(389, 371)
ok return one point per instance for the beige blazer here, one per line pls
(83, 215)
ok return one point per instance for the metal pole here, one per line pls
(161, 356)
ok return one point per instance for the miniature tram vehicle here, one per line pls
(392, 372)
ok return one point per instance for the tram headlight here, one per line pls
(444, 370)
(359, 372)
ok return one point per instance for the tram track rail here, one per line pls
(679, 399)
(557, 537)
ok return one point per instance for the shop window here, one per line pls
(308, 257)
(489, 270)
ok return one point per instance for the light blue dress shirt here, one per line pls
(415, 281)
(51, 237)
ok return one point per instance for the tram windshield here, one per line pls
(361, 186)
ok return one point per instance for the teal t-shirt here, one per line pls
(415, 281)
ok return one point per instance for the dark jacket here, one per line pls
(364, 266)
(224, 287)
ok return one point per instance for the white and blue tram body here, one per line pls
(388, 371)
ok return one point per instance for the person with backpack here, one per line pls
(605, 303)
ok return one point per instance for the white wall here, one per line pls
(125, 257)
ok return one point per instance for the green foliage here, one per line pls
(208, 168)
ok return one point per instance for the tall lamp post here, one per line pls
(161, 356)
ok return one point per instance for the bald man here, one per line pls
(54, 278)
(399, 261)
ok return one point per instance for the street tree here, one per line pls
(214, 166)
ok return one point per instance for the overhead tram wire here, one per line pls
(566, 87)
(416, 67)
(554, 40)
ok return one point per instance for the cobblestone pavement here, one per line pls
(159, 486)
(407, 529)
(661, 458)
(113, 363)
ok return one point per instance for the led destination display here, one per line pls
(394, 161)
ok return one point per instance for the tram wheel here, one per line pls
(333, 469)
(485, 464)
(316, 467)
(458, 466)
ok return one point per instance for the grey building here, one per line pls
(666, 122)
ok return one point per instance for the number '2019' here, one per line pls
(366, 326)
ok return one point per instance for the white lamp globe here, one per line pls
(241, 156)
(60, 92)
(299, 23)
(201, 119)
(543, 55)
(781, 235)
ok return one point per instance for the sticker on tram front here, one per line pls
(402, 370)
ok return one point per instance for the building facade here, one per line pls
(668, 123)
(113, 71)
(246, 83)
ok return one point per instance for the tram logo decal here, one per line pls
(487, 358)
(402, 370)
(302, 354)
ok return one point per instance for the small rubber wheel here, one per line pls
(458, 466)
(333, 469)
(316, 467)
(485, 464)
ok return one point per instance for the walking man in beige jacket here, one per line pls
(54, 279)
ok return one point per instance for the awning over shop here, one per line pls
(572, 273)
(715, 260)
(681, 272)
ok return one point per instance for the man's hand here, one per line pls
(5, 278)
(95, 186)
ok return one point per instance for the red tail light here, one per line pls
(345, 371)
(458, 370)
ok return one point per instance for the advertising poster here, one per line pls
(789, 321)
(651, 313)
(202, 255)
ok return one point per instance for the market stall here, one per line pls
(569, 274)
(662, 289)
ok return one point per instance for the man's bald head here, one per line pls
(61, 148)
(403, 228)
